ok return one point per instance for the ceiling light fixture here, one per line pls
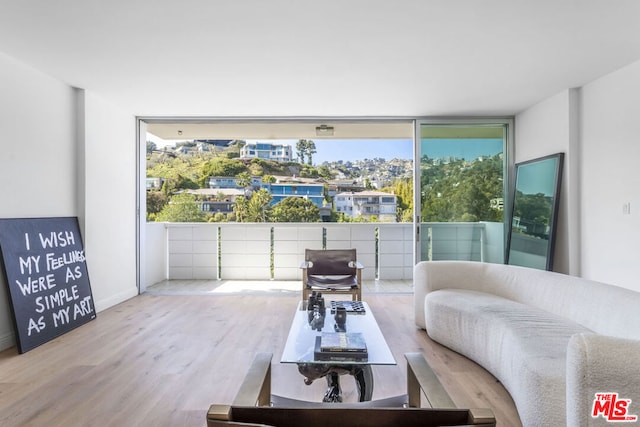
(324, 130)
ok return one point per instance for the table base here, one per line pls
(362, 375)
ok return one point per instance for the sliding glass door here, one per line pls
(461, 174)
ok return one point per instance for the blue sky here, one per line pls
(360, 149)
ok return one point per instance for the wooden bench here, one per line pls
(255, 406)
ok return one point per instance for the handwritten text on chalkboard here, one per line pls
(47, 277)
(56, 303)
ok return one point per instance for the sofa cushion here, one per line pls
(602, 308)
(524, 347)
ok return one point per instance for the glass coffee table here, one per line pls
(303, 347)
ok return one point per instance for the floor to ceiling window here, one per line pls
(462, 173)
(352, 177)
(457, 208)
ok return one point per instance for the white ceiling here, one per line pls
(330, 58)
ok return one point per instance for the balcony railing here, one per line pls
(264, 251)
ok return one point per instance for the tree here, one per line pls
(181, 208)
(403, 189)
(233, 152)
(325, 172)
(241, 209)
(307, 171)
(301, 150)
(340, 217)
(460, 190)
(295, 209)
(253, 209)
(151, 146)
(311, 150)
(220, 167)
(177, 173)
(305, 148)
(367, 184)
(156, 200)
(534, 213)
(219, 217)
(244, 179)
(260, 206)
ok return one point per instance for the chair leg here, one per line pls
(305, 289)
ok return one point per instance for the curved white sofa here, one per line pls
(553, 340)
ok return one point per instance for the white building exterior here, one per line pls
(367, 204)
(267, 151)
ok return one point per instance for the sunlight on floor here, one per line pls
(235, 286)
(221, 287)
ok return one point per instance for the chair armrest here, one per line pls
(422, 379)
(255, 390)
(305, 265)
(256, 386)
(600, 364)
(356, 264)
(220, 416)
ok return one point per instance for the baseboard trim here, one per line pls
(7, 340)
(115, 299)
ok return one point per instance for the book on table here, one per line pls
(341, 346)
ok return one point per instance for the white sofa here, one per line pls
(553, 340)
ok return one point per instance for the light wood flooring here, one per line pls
(213, 287)
(161, 360)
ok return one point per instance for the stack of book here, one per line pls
(341, 346)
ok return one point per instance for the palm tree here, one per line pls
(311, 150)
(301, 150)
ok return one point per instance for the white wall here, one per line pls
(46, 169)
(37, 168)
(38, 143)
(549, 128)
(598, 127)
(109, 201)
(610, 175)
(155, 253)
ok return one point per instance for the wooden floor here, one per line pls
(214, 287)
(161, 360)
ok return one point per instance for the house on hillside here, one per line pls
(232, 182)
(313, 192)
(216, 200)
(367, 204)
(267, 151)
(344, 185)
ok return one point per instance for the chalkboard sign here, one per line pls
(46, 273)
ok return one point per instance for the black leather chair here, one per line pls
(331, 271)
